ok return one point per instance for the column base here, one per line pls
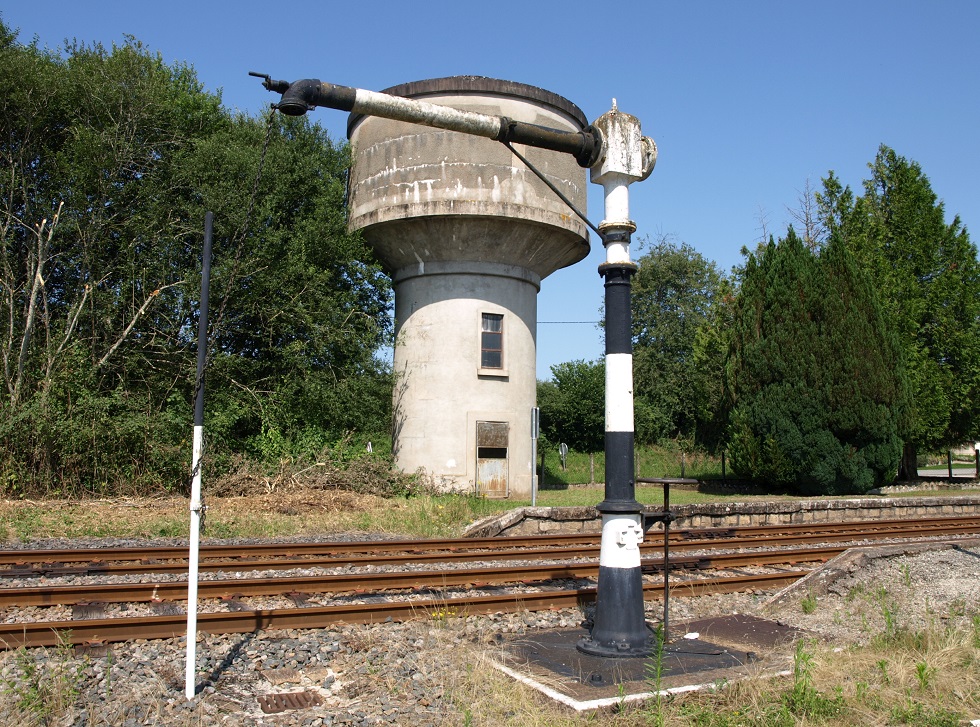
(617, 649)
(619, 628)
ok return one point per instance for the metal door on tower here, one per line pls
(491, 459)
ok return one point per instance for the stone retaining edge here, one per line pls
(819, 581)
(524, 521)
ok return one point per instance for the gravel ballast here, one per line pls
(425, 672)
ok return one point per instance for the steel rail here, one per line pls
(88, 631)
(910, 531)
(70, 555)
(373, 582)
(452, 545)
(129, 568)
(748, 531)
(916, 530)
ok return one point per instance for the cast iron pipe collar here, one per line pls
(585, 145)
(620, 507)
(627, 268)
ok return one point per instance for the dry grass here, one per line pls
(292, 512)
(933, 680)
(935, 684)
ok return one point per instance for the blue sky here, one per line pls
(746, 100)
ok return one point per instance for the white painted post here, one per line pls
(192, 567)
(196, 505)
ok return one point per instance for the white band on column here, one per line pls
(619, 392)
(617, 199)
(617, 253)
(621, 538)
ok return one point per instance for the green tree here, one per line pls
(712, 341)
(926, 272)
(92, 258)
(814, 374)
(307, 308)
(112, 157)
(679, 342)
(573, 405)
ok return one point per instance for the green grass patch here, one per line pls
(651, 461)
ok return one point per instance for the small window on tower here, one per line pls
(492, 341)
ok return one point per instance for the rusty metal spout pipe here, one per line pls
(301, 96)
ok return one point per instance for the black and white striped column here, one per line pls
(618, 626)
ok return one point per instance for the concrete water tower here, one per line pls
(467, 233)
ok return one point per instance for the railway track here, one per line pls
(386, 581)
(99, 631)
(284, 556)
(403, 594)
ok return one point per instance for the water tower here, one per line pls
(467, 233)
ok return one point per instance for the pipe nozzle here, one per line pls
(270, 85)
(297, 97)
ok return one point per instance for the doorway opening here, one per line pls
(491, 459)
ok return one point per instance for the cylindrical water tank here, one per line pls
(467, 232)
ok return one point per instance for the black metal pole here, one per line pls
(618, 626)
(620, 489)
(666, 517)
(202, 323)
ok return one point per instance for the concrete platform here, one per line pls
(705, 653)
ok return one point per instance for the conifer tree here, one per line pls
(813, 373)
(925, 270)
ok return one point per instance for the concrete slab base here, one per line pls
(707, 653)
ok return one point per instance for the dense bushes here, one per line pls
(113, 157)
